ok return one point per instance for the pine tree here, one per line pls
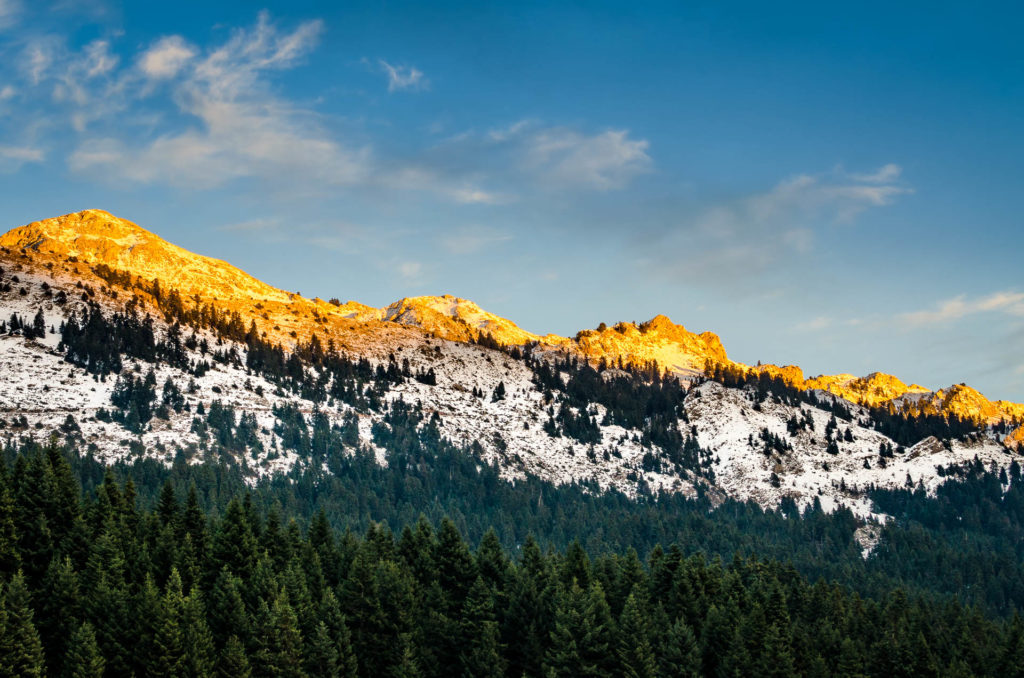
(21, 651)
(681, 654)
(9, 557)
(778, 653)
(321, 654)
(407, 666)
(226, 613)
(330, 614)
(636, 658)
(39, 325)
(235, 545)
(60, 610)
(580, 640)
(83, 659)
(279, 650)
(197, 640)
(168, 642)
(481, 651)
(232, 662)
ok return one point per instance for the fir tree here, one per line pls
(636, 657)
(232, 662)
(21, 651)
(481, 653)
(681, 654)
(83, 658)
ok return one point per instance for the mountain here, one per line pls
(586, 408)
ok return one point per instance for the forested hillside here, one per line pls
(113, 583)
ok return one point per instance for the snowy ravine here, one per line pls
(38, 384)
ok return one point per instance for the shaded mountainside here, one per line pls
(153, 350)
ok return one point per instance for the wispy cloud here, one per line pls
(165, 58)
(200, 117)
(13, 157)
(453, 186)
(240, 128)
(410, 269)
(884, 174)
(403, 77)
(1007, 302)
(529, 156)
(734, 240)
(262, 224)
(602, 161)
(470, 240)
(817, 324)
(9, 11)
(37, 57)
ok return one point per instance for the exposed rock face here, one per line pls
(1015, 440)
(456, 319)
(875, 389)
(98, 237)
(673, 346)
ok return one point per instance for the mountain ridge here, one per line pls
(590, 408)
(97, 237)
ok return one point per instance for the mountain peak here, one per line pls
(96, 236)
(455, 318)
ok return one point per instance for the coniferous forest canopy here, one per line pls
(435, 566)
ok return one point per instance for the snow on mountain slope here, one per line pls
(38, 384)
(726, 420)
(77, 242)
(55, 273)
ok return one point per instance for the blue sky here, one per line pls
(828, 185)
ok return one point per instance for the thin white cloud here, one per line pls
(253, 225)
(817, 324)
(410, 269)
(13, 158)
(403, 77)
(7, 92)
(461, 190)
(602, 161)
(733, 240)
(166, 57)
(470, 240)
(241, 129)
(227, 121)
(1007, 302)
(9, 11)
(37, 58)
(504, 133)
(884, 174)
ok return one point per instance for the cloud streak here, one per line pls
(12, 158)
(470, 240)
(166, 58)
(603, 161)
(734, 240)
(403, 77)
(1008, 302)
(9, 11)
(238, 127)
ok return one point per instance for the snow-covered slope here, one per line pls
(50, 267)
